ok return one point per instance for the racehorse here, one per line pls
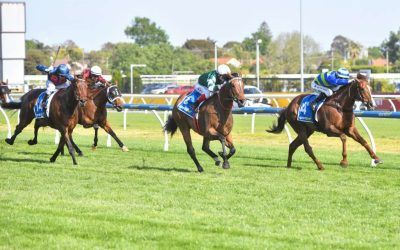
(94, 114)
(214, 121)
(335, 119)
(4, 93)
(63, 113)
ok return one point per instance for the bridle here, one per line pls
(232, 96)
(117, 96)
(5, 93)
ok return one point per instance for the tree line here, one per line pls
(151, 46)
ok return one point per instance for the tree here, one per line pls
(204, 48)
(144, 32)
(263, 33)
(36, 53)
(392, 45)
(340, 44)
(375, 52)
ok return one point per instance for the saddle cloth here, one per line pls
(305, 112)
(38, 108)
(186, 105)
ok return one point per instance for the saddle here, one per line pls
(305, 112)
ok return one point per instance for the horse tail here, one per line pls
(12, 105)
(277, 128)
(170, 126)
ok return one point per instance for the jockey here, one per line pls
(94, 76)
(210, 82)
(57, 78)
(327, 83)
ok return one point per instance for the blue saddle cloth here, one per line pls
(305, 113)
(38, 109)
(186, 105)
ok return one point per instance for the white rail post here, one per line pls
(108, 140)
(253, 122)
(371, 138)
(8, 123)
(57, 137)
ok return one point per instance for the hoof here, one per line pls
(226, 165)
(32, 142)
(344, 164)
(52, 160)
(321, 168)
(200, 169)
(375, 162)
(124, 149)
(80, 154)
(94, 148)
(218, 163)
(9, 141)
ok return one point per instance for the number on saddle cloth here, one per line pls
(39, 109)
(186, 105)
(305, 112)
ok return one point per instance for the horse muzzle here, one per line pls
(118, 108)
(241, 103)
(82, 102)
(370, 106)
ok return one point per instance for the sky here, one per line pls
(91, 23)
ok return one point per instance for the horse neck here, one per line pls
(344, 97)
(70, 99)
(100, 97)
(224, 100)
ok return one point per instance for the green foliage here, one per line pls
(145, 32)
(382, 86)
(392, 45)
(374, 69)
(263, 33)
(203, 48)
(33, 58)
(375, 52)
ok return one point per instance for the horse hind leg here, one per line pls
(25, 118)
(344, 163)
(36, 129)
(95, 139)
(206, 148)
(58, 150)
(292, 148)
(310, 152)
(189, 146)
(77, 149)
(229, 144)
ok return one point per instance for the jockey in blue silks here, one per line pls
(57, 78)
(329, 82)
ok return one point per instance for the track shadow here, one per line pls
(271, 166)
(23, 160)
(160, 169)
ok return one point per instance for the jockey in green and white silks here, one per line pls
(327, 83)
(210, 82)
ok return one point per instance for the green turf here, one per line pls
(147, 198)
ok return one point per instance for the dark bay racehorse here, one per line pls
(94, 113)
(335, 119)
(214, 122)
(63, 114)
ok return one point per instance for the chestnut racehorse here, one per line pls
(214, 121)
(335, 119)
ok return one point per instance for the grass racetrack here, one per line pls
(148, 198)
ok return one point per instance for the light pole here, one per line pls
(387, 61)
(134, 65)
(258, 62)
(301, 50)
(215, 56)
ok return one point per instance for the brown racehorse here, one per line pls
(335, 119)
(63, 114)
(94, 113)
(215, 121)
(4, 93)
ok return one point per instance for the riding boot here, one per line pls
(315, 102)
(44, 103)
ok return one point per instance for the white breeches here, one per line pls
(51, 87)
(203, 90)
(325, 90)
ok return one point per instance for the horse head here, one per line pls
(363, 91)
(236, 89)
(4, 93)
(114, 97)
(81, 93)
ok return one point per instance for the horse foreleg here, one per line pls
(71, 149)
(189, 146)
(344, 162)
(353, 133)
(223, 154)
(229, 144)
(95, 140)
(77, 149)
(206, 148)
(58, 150)
(109, 130)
